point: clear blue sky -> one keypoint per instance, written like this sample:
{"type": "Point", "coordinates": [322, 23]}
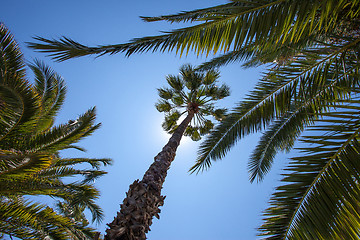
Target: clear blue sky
{"type": "Point", "coordinates": [219, 204]}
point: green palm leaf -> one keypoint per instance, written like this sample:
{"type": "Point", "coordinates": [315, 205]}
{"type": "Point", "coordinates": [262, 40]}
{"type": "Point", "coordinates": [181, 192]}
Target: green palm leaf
{"type": "Point", "coordinates": [280, 136]}
{"type": "Point", "coordinates": [95, 163]}
{"type": "Point", "coordinates": [234, 25]}
{"type": "Point", "coordinates": [61, 136]}
{"type": "Point", "coordinates": [51, 90]}
{"type": "Point", "coordinates": [320, 188]}
{"type": "Point", "coordinates": [11, 60]}
{"type": "Point", "coordinates": [314, 79]}
{"type": "Point", "coordinates": [30, 163]}
{"type": "Point", "coordinates": [14, 164]}
{"type": "Point", "coordinates": [36, 221]}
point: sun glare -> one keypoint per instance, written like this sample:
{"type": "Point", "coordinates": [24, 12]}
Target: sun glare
{"type": "Point", "coordinates": [162, 136]}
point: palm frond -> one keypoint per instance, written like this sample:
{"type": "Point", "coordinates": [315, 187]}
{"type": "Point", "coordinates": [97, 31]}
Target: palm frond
{"type": "Point", "coordinates": [30, 163]}
{"type": "Point", "coordinates": [94, 162]}
{"type": "Point", "coordinates": [163, 106]}
{"type": "Point", "coordinates": [85, 196]}
{"type": "Point", "coordinates": [14, 164]}
{"type": "Point", "coordinates": [51, 90]}
{"type": "Point", "coordinates": [320, 193]}
{"type": "Point", "coordinates": [17, 102]}
{"type": "Point", "coordinates": [227, 58]}
{"type": "Point", "coordinates": [76, 214]}
{"type": "Point", "coordinates": [314, 77]}
{"type": "Point", "coordinates": [194, 15]}
{"type": "Point", "coordinates": [37, 221]}
{"type": "Point", "coordinates": [280, 136]}
{"type": "Point", "coordinates": [66, 48]}
{"type": "Point", "coordinates": [62, 172]}
{"type": "Point", "coordinates": [262, 23]}
{"type": "Point", "coordinates": [61, 136]}
{"type": "Point", "coordinates": [29, 185]}
{"type": "Point", "coordinates": [253, 56]}
{"type": "Point", "coordinates": [81, 194]}
{"type": "Point", "coordinates": [11, 59]}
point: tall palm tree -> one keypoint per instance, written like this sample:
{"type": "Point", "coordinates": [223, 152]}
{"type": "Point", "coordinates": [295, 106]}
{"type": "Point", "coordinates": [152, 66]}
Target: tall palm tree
{"type": "Point", "coordinates": [192, 95]}
{"type": "Point", "coordinates": [312, 51]}
{"type": "Point", "coordinates": [30, 161]}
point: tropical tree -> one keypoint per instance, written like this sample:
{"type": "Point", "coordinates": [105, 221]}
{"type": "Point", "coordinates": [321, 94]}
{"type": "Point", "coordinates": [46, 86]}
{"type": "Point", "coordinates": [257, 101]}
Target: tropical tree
{"type": "Point", "coordinates": [191, 95]}
{"type": "Point", "coordinates": [312, 51]}
{"type": "Point", "coordinates": [30, 161]}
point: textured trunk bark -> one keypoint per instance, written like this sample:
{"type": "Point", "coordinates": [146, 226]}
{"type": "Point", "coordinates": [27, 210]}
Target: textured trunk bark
{"type": "Point", "coordinates": [144, 198]}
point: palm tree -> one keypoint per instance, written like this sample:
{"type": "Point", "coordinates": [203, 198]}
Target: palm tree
{"type": "Point", "coordinates": [30, 161]}
{"type": "Point", "coordinates": [192, 95]}
{"type": "Point", "coordinates": [312, 51]}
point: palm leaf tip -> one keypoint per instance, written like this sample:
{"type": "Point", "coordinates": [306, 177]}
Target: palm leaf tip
{"type": "Point", "coordinates": [203, 163]}
{"type": "Point", "coordinates": [62, 49]}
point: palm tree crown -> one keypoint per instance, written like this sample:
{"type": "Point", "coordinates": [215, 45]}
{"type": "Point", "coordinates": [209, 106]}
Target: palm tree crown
{"type": "Point", "coordinates": [30, 161]}
{"type": "Point", "coordinates": [192, 91]}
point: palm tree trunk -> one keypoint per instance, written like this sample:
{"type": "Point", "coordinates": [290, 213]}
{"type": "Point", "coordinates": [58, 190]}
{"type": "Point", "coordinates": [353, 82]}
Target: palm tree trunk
{"type": "Point", "coordinates": [144, 198]}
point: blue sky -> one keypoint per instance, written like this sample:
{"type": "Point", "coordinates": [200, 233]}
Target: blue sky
{"type": "Point", "coordinates": [217, 204]}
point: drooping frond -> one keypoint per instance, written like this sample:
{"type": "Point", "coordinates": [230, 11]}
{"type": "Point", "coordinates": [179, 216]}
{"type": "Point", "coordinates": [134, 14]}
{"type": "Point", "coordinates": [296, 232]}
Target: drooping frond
{"type": "Point", "coordinates": [36, 221]}
{"type": "Point", "coordinates": [76, 214]}
{"type": "Point", "coordinates": [18, 104]}
{"type": "Point", "coordinates": [51, 90]}
{"type": "Point", "coordinates": [30, 185]}
{"type": "Point", "coordinates": [252, 56]}
{"type": "Point", "coordinates": [61, 136]}
{"type": "Point", "coordinates": [66, 48]}
{"type": "Point", "coordinates": [12, 164]}
{"type": "Point", "coordinates": [280, 136]}
{"type": "Point", "coordinates": [11, 58]}
{"type": "Point", "coordinates": [30, 163]}
{"type": "Point", "coordinates": [224, 59]}
{"type": "Point", "coordinates": [82, 194]}
{"type": "Point", "coordinates": [195, 15]}
{"type": "Point", "coordinates": [85, 196]}
{"type": "Point", "coordinates": [55, 173]}
{"type": "Point", "coordinates": [94, 162]}
{"type": "Point", "coordinates": [314, 79]}
{"type": "Point", "coordinates": [319, 195]}
{"type": "Point", "coordinates": [227, 27]}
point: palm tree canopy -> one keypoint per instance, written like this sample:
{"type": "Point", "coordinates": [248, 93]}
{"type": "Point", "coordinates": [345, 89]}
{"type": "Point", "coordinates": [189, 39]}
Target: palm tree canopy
{"type": "Point", "coordinates": [30, 162]}
{"type": "Point", "coordinates": [312, 51]}
{"type": "Point", "coordinates": [193, 91]}
{"type": "Point", "coordinates": [246, 28]}
{"type": "Point", "coordinates": [303, 38]}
